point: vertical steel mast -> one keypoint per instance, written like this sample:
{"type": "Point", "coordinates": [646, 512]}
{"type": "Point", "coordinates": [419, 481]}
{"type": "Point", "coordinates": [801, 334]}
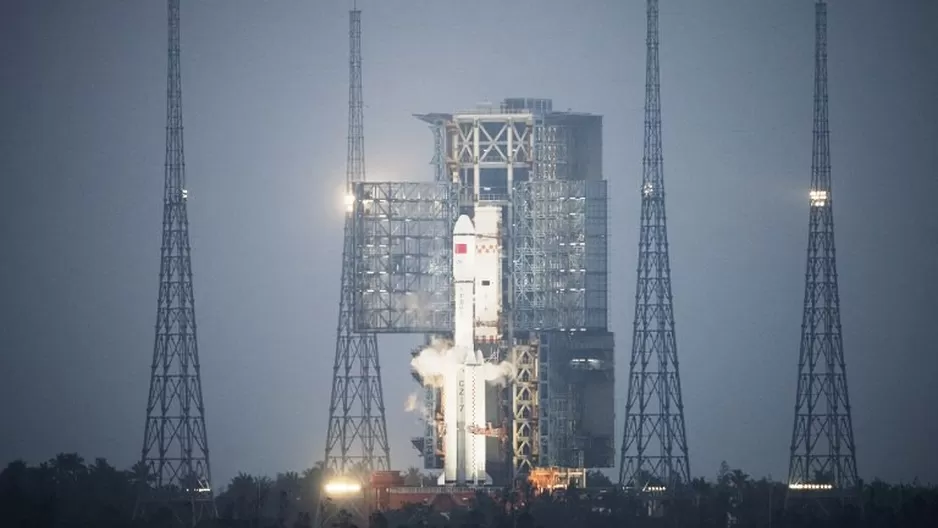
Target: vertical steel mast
{"type": "Point", "coordinates": [823, 454]}
{"type": "Point", "coordinates": [175, 444]}
{"type": "Point", "coordinates": [654, 446]}
{"type": "Point", "coordinates": [356, 410]}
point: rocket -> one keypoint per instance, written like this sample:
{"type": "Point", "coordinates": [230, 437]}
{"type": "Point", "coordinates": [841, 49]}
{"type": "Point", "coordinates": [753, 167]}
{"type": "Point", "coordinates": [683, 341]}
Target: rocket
{"type": "Point", "coordinates": [464, 384]}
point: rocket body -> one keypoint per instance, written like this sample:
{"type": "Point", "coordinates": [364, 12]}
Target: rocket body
{"type": "Point", "coordinates": [464, 384]}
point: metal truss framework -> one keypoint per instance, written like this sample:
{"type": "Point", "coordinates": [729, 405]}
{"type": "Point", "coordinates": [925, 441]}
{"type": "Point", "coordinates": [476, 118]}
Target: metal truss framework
{"type": "Point", "coordinates": [432, 443]}
{"type": "Point", "coordinates": [491, 140]}
{"type": "Point", "coordinates": [437, 123]}
{"type": "Point", "coordinates": [439, 160]}
{"type": "Point", "coordinates": [175, 445]}
{"type": "Point", "coordinates": [432, 439]}
{"type": "Point", "coordinates": [654, 445]}
{"type": "Point", "coordinates": [403, 276]}
{"type": "Point", "coordinates": [357, 440]}
{"type": "Point", "coordinates": [823, 452]}
{"type": "Point", "coordinates": [524, 408]}
{"type": "Point", "coordinates": [403, 236]}
{"type": "Point", "coordinates": [560, 255]}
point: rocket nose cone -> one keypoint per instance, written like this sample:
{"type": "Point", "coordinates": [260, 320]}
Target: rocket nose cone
{"type": "Point", "coordinates": [464, 226]}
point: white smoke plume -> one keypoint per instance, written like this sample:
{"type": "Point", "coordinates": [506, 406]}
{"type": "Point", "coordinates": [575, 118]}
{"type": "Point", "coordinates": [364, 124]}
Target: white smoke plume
{"type": "Point", "coordinates": [413, 404]}
{"type": "Point", "coordinates": [440, 357]}
{"type": "Point", "coordinates": [499, 374]}
{"type": "Point", "coordinates": [416, 405]}
{"type": "Point", "coordinates": [432, 362]}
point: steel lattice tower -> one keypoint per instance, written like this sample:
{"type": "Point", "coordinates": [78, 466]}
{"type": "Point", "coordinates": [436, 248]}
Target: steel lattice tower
{"type": "Point", "coordinates": [356, 410]}
{"type": "Point", "coordinates": [175, 444]}
{"type": "Point", "coordinates": [654, 444]}
{"type": "Point", "coordinates": [823, 454]}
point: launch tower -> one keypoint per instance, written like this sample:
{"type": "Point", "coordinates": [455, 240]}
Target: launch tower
{"type": "Point", "coordinates": [823, 453]}
{"type": "Point", "coordinates": [175, 443]}
{"type": "Point", "coordinates": [357, 438]}
{"type": "Point", "coordinates": [654, 458]}
{"type": "Point", "coordinates": [531, 181]}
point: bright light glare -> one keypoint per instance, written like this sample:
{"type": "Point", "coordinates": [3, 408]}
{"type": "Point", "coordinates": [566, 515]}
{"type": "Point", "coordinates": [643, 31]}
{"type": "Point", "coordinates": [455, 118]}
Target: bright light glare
{"type": "Point", "coordinates": [811, 486]}
{"type": "Point", "coordinates": [818, 198]}
{"type": "Point", "coordinates": [342, 487]}
{"type": "Point", "coordinates": [349, 202]}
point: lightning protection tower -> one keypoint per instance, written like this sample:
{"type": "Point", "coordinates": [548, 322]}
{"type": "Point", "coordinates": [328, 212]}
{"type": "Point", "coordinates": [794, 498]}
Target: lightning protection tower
{"type": "Point", "coordinates": [357, 438]}
{"type": "Point", "coordinates": [823, 454]}
{"type": "Point", "coordinates": [175, 445]}
{"type": "Point", "coordinates": [654, 446]}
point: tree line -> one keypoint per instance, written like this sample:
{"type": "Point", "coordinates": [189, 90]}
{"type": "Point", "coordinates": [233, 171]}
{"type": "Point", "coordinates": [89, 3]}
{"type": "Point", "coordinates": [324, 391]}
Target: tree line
{"type": "Point", "coordinates": [70, 491]}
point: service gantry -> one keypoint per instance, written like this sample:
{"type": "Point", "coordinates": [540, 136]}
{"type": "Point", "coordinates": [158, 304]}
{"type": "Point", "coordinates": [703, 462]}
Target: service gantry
{"type": "Point", "coordinates": [539, 171]}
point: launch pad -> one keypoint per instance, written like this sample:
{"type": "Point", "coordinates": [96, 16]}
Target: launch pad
{"type": "Point", "coordinates": [501, 263]}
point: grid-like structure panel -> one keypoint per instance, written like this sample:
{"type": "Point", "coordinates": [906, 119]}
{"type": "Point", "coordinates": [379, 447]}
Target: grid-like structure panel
{"type": "Point", "coordinates": [553, 392]}
{"type": "Point", "coordinates": [589, 375]}
{"type": "Point", "coordinates": [560, 252]}
{"type": "Point", "coordinates": [403, 276]}
{"type": "Point", "coordinates": [570, 366]}
{"type": "Point", "coordinates": [530, 264]}
{"type": "Point", "coordinates": [551, 143]}
{"type": "Point", "coordinates": [545, 351]}
{"type": "Point", "coordinates": [596, 254]}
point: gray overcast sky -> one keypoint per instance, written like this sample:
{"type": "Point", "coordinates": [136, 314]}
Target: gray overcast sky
{"type": "Point", "coordinates": [265, 101]}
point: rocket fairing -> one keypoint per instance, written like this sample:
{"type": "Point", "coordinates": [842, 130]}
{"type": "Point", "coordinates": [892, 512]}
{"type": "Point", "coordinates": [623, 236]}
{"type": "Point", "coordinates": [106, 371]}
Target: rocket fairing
{"type": "Point", "coordinates": [488, 275]}
{"type": "Point", "coordinates": [464, 253]}
{"type": "Point", "coordinates": [464, 385]}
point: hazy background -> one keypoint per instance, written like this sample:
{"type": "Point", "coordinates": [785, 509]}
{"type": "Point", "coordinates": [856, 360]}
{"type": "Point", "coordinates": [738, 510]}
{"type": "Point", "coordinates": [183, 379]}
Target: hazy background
{"type": "Point", "coordinates": [265, 102]}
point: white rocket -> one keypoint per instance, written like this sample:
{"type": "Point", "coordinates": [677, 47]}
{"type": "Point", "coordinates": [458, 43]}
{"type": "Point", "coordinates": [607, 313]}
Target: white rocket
{"type": "Point", "coordinates": [464, 385]}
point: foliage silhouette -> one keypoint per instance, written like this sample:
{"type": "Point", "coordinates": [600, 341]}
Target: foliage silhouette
{"type": "Point", "coordinates": [68, 491]}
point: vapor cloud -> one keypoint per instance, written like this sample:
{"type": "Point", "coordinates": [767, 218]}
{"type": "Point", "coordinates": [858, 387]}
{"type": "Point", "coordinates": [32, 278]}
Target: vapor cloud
{"type": "Point", "coordinates": [433, 362]}
{"type": "Point", "coordinates": [498, 374]}
{"type": "Point", "coordinates": [413, 403]}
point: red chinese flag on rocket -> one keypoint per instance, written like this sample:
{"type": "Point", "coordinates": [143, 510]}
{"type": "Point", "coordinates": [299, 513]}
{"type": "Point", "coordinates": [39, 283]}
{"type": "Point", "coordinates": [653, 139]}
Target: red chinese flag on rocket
{"type": "Point", "coordinates": [460, 249]}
